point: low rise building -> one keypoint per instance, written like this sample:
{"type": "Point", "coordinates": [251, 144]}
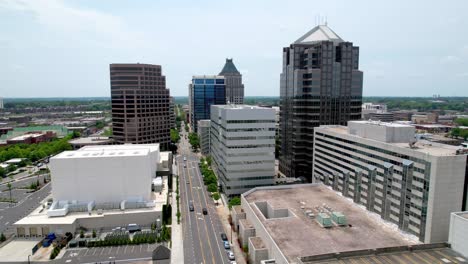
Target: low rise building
{"type": "Point", "coordinates": [32, 138]}
{"type": "Point", "coordinates": [294, 223]}
{"type": "Point", "coordinates": [415, 185]}
{"type": "Point", "coordinates": [97, 187]}
{"type": "Point", "coordinates": [381, 116]}
{"type": "Point", "coordinates": [204, 136]}
{"type": "Point", "coordinates": [242, 139]}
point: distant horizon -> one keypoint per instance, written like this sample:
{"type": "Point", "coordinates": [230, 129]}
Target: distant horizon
{"type": "Point", "coordinates": [185, 96]}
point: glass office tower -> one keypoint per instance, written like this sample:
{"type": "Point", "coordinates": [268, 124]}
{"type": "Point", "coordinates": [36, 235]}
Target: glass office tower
{"type": "Point", "coordinates": [204, 91]}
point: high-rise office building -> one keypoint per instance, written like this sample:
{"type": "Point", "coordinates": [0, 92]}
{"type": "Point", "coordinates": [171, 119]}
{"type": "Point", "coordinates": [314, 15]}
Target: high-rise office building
{"type": "Point", "coordinates": [321, 84]}
{"type": "Point", "coordinates": [140, 104]}
{"type": "Point", "coordinates": [204, 91]}
{"type": "Point", "coordinates": [242, 140]}
{"type": "Point", "coordinates": [172, 116]}
{"type": "Point", "coordinates": [234, 86]}
{"type": "Point", "coordinates": [415, 185]}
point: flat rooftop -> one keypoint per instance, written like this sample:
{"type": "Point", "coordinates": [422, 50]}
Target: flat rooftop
{"type": "Point", "coordinates": [241, 107]}
{"type": "Point", "coordinates": [423, 146]}
{"type": "Point", "coordinates": [378, 123]}
{"type": "Point", "coordinates": [297, 235]}
{"type": "Point", "coordinates": [126, 150]}
{"type": "Point", "coordinates": [435, 255]}
{"type": "Point", "coordinates": [90, 140]}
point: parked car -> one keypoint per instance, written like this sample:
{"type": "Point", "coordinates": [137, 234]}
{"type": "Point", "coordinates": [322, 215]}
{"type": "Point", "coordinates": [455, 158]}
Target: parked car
{"type": "Point", "coordinates": [226, 245]}
{"type": "Point", "coordinates": [231, 255]}
{"type": "Point", "coordinates": [205, 212]}
{"type": "Point", "coordinates": [133, 228]}
{"type": "Point", "coordinates": [224, 237]}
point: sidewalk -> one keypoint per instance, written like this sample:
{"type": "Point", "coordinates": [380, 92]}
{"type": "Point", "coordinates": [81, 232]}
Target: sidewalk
{"type": "Point", "coordinates": [223, 212]}
{"type": "Point", "coordinates": [177, 247]}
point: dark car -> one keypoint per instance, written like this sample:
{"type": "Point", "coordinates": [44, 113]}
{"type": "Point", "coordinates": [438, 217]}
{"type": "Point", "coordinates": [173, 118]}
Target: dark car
{"type": "Point", "coordinates": [191, 208]}
{"type": "Point", "coordinates": [224, 237]}
{"type": "Point", "coordinates": [205, 212]}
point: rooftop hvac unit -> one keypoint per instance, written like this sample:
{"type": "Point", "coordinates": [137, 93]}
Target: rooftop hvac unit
{"type": "Point", "coordinates": [339, 218]}
{"type": "Point", "coordinates": [324, 220]}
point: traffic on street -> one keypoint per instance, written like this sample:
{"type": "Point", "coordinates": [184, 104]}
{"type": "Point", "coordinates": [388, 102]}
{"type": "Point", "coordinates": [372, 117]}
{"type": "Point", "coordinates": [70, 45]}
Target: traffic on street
{"type": "Point", "coordinates": [202, 229]}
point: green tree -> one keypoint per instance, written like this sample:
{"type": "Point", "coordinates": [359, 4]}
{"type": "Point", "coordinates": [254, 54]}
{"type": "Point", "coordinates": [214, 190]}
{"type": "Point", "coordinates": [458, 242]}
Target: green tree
{"type": "Point", "coordinates": [175, 137]}
{"type": "Point", "coordinates": [234, 201]}
{"type": "Point", "coordinates": [462, 121]}
{"type": "Point", "coordinates": [2, 172]}
{"type": "Point", "coordinates": [194, 141]}
{"type": "Point", "coordinates": [2, 237]}
{"type": "Point", "coordinates": [216, 197]}
{"type": "Point", "coordinates": [212, 187]}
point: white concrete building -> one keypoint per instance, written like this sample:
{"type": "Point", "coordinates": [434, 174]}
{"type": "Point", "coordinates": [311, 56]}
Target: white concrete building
{"type": "Point", "coordinates": [103, 174]}
{"type": "Point", "coordinates": [243, 146]}
{"type": "Point", "coordinates": [458, 235]}
{"type": "Point", "coordinates": [99, 187]}
{"type": "Point", "coordinates": [415, 185]}
{"type": "Point", "coordinates": [204, 136]}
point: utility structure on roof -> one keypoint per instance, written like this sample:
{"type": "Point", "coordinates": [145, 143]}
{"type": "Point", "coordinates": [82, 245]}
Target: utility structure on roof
{"type": "Point", "coordinates": [320, 84]}
{"type": "Point", "coordinates": [234, 86]}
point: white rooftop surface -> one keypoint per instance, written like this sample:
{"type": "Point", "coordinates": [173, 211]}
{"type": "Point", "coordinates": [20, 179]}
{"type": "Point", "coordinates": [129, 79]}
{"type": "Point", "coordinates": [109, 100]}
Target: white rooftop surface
{"type": "Point", "coordinates": [423, 146]}
{"type": "Point", "coordinates": [23, 137]}
{"type": "Point", "coordinates": [127, 150]}
{"type": "Point", "coordinates": [89, 140]}
{"type": "Point", "coordinates": [40, 218]}
{"type": "Point", "coordinates": [378, 123]}
{"type": "Point", "coordinates": [241, 107]}
{"type": "Point", "coordinates": [17, 250]}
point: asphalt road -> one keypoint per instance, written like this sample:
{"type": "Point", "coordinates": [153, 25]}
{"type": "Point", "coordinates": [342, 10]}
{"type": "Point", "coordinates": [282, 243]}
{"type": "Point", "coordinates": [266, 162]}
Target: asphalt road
{"type": "Point", "coordinates": [201, 233]}
{"type": "Point", "coordinates": [9, 215]}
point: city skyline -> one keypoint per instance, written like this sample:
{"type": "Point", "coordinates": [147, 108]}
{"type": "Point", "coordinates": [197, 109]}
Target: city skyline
{"type": "Point", "coordinates": [399, 53]}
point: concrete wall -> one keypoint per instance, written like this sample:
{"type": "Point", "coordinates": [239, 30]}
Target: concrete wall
{"type": "Point", "coordinates": [101, 179]}
{"type": "Point", "coordinates": [245, 232]}
{"type": "Point", "coordinates": [274, 251]}
{"type": "Point", "coordinates": [256, 255]}
{"type": "Point", "coordinates": [391, 133]}
{"type": "Point", "coordinates": [458, 234]}
{"type": "Point", "coordinates": [445, 195]}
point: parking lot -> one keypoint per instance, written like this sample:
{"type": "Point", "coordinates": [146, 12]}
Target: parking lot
{"type": "Point", "coordinates": [73, 255]}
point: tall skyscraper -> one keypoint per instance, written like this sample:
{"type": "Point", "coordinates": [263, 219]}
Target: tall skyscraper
{"type": "Point", "coordinates": [172, 115]}
{"type": "Point", "coordinates": [140, 104]}
{"type": "Point", "coordinates": [234, 86]}
{"type": "Point", "coordinates": [204, 91]}
{"type": "Point", "coordinates": [321, 84]}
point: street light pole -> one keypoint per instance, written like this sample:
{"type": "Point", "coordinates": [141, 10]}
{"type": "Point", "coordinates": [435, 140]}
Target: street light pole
{"type": "Point", "coordinates": [28, 259]}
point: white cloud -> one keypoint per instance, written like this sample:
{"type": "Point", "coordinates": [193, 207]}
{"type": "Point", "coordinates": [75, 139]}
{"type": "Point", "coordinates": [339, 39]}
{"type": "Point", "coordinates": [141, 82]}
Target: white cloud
{"type": "Point", "coordinates": [82, 24]}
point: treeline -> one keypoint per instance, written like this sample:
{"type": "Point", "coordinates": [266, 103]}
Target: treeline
{"type": "Point", "coordinates": [85, 105]}
{"type": "Point", "coordinates": [35, 152]}
{"type": "Point", "coordinates": [421, 103]}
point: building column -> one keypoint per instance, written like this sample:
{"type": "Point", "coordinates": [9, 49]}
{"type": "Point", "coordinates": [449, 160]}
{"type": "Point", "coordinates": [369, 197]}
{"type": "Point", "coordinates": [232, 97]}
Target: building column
{"type": "Point", "coordinates": [357, 185]}
{"type": "Point", "coordinates": [346, 184]}
{"type": "Point", "coordinates": [371, 173]}
{"type": "Point", "coordinates": [387, 188]}
{"type": "Point", "coordinates": [405, 199]}
{"type": "Point", "coordinates": [336, 176]}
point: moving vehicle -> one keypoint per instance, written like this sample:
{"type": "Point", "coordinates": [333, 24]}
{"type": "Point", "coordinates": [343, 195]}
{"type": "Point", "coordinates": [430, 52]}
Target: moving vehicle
{"type": "Point", "coordinates": [133, 228]}
{"type": "Point", "coordinates": [185, 158]}
{"type": "Point", "coordinates": [191, 206]}
{"type": "Point", "coordinates": [205, 212]}
{"type": "Point", "coordinates": [231, 255]}
{"type": "Point", "coordinates": [226, 245]}
{"type": "Point", "coordinates": [224, 237]}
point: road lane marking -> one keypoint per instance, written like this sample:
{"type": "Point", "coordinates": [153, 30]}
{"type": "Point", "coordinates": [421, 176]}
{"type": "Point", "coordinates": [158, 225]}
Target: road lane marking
{"type": "Point", "coordinates": [198, 228]}
{"type": "Point", "coordinates": [198, 173]}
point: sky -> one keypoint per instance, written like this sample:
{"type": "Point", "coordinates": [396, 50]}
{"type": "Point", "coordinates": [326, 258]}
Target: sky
{"type": "Point", "coordinates": [63, 48]}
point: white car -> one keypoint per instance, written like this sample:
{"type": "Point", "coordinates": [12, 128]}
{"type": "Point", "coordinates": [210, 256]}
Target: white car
{"type": "Point", "coordinates": [233, 262]}
{"type": "Point", "coordinates": [231, 255]}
